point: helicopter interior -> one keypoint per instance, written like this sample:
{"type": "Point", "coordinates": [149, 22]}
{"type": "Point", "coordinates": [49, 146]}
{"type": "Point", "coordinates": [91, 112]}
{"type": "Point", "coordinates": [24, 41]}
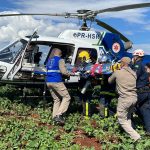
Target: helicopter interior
{"type": "Point", "coordinates": [37, 53]}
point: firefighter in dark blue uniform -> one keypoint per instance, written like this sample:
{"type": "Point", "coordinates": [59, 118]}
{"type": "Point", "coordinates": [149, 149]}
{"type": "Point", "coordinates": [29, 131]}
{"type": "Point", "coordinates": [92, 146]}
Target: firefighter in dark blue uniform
{"type": "Point", "coordinates": [143, 90]}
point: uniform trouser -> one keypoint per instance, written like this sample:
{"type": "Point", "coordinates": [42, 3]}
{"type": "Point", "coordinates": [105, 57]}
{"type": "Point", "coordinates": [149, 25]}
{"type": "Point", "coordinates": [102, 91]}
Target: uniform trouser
{"type": "Point", "coordinates": [60, 96]}
{"type": "Point", "coordinates": [144, 107]}
{"type": "Point", "coordinates": [125, 109]}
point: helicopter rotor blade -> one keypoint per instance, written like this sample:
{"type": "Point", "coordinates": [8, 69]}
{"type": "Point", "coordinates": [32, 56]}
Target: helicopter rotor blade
{"type": "Point", "coordinates": [41, 14]}
{"type": "Point", "coordinates": [127, 44]}
{"type": "Point", "coordinates": [87, 14]}
{"type": "Point", "coordinates": [120, 8]}
{"type": "Point", "coordinates": [111, 29]}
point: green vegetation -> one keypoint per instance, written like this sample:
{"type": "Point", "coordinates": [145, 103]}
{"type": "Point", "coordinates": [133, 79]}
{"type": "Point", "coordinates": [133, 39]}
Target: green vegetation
{"type": "Point", "coordinates": [24, 127]}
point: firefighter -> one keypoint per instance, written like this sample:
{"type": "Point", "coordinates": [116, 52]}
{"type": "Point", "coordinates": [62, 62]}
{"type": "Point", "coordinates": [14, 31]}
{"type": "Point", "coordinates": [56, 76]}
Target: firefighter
{"type": "Point", "coordinates": [83, 59]}
{"type": "Point", "coordinates": [125, 79]}
{"type": "Point", "coordinates": [143, 89]}
{"type": "Point", "coordinates": [55, 69]}
{"type": "Point", "coordinates": [84, 56]}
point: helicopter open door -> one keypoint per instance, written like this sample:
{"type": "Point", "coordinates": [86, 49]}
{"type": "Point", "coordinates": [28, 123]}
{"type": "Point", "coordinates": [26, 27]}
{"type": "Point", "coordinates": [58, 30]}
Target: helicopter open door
{"type": "Point", "coordinates": [68, 54]}
{"type": "Point", "coordinates": [34, 57]}
{"type": "Point", "coordinates": [81, 57]}
{"type": "Point", "coordinates": [37, 54]}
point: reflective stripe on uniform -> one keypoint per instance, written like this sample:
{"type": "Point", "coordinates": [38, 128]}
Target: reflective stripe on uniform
{"type": "Point", "coordinates": [53, 71]}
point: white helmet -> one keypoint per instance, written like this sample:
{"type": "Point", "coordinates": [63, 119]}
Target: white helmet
{"type": "Point", "coordinates": [138, 52]}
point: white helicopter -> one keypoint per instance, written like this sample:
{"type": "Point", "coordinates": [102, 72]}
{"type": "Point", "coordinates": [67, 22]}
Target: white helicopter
{"type": "Point", "coordinates": [19, 60]}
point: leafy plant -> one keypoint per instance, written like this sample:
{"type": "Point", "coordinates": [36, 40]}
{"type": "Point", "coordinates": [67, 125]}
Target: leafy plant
{"type": "Point", "coordinates": [23, 127]}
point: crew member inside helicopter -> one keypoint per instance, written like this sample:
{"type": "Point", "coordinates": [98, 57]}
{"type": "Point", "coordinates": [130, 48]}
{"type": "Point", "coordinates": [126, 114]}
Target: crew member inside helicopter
{"type": "Point", "coordinates": [86, 57]}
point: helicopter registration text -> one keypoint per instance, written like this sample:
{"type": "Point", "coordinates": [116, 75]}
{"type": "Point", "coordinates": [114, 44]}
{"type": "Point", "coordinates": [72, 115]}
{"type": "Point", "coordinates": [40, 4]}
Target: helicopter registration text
{"type": "Point", "coordinates": [86, 35]}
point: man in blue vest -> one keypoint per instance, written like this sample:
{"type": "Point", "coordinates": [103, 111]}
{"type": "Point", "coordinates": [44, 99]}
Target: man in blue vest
{"type": "Point", "coordinates": [55, 69]}
{"type": "Point", "coordinates": [143, 89]}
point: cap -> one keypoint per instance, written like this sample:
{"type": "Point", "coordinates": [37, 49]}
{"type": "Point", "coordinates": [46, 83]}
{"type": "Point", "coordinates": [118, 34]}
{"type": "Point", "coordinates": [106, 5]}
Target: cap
{"type": "Point", "coordinates": [126, 60]}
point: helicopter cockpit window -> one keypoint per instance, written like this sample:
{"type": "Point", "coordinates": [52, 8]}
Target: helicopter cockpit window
{"type": "Point", "coordinates": [87, 55]}
{"type": "Point", "coordinates": [10, 53]}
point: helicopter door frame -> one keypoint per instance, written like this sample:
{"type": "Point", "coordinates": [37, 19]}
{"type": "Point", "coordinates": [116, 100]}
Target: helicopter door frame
{"type": "Point", "coordinates": [16, 66]}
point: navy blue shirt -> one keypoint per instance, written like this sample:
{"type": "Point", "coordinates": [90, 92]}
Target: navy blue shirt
{"type": "Point", "coordinates": [142, 75]}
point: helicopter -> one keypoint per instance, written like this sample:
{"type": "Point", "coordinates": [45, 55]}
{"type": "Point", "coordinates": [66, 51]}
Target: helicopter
{"type": "Point", "coordinates": [20, 59]}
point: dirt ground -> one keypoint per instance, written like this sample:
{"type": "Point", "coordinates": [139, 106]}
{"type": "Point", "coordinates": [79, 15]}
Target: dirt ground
{"type": "Point", "coordinates": [85, 141]}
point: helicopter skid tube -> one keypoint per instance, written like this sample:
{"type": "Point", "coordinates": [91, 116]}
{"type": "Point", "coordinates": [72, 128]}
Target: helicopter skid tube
{"type": "Point", "coordinates": [23, 83]}
{"type": "Point", "coordinates": [33, 84]}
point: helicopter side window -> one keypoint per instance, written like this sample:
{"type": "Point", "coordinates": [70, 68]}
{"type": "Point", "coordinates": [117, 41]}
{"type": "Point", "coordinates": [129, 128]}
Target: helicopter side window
{"type": "Point", "coordinates": [6, 55]}
{"type": "Point", "coordinates": [86, 55]}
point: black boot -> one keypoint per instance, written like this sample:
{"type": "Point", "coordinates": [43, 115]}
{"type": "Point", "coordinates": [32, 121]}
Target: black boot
{"type": "Point", "coordinates": [58, 120]}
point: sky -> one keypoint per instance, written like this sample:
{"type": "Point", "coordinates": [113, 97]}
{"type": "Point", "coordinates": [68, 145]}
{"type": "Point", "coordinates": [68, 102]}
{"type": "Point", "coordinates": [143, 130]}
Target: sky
{"type": "Point", "coordinates": [134, 24]}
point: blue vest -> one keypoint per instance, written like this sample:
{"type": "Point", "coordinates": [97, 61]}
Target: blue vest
{"type": "Point", "coordinates": [53, 71]}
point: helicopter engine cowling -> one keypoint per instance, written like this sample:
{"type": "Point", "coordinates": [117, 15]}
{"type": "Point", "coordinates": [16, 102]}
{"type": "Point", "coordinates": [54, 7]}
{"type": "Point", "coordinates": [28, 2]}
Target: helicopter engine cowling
{"type": "Point", "coordinates": [114, 46]}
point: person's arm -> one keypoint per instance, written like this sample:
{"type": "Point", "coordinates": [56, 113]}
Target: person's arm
{"type": "Point", "coordinates": [112, 78]}
{"type": "Point", "coordinates": [62, 68]}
